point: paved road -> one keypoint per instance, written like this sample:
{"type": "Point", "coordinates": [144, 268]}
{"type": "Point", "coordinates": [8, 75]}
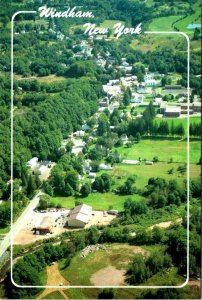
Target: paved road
{"type": "Point", "coordinates": [20, 223]}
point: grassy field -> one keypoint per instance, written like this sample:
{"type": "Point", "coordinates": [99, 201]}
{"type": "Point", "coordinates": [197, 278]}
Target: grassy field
{"type": "Point", "coordinates": [110, 23]}
{"type": "Point", "coordinates": [119, 255]}
{"type": "Point", "coordinates": [80, 270]}
{"type": "Point", "coordinates": [48, 79]}
{"type": "Point", "coordinates": [54, 295]}
{"type": "Point", "coordinates": [164, 149]}
{"type": "Point", "coordinates": [163, 23]}
{"type": "Point", "coordinates": [193, 18]}
{"type": "Point", "coordinates": [144, 172]}
{"type": "Point", "coordinates": [98, 201]}
{"type": "Point", "coordinates": [183, 121]}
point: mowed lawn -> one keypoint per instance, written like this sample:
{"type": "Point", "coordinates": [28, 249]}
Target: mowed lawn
{"type": "Point", "coordinates": [164, 149]}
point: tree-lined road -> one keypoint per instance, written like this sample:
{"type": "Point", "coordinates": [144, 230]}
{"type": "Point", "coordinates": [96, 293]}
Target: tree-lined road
{"type": "Point", "coordinates": [20, 223]}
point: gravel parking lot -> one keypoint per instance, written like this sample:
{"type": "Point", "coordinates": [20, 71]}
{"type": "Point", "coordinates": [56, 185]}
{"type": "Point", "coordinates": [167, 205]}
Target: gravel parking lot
{"type": "Point", "coordinates": [59, 219]}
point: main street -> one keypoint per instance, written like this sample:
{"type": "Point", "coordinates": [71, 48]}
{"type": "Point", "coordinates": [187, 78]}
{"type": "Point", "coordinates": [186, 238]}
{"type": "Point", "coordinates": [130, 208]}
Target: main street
{"type": "Point", "coordinates": [20, 223]}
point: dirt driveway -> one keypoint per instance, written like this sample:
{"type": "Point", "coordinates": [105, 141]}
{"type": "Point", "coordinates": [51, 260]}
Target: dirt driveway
{"type": "Point", "coordinates": [54, 278]}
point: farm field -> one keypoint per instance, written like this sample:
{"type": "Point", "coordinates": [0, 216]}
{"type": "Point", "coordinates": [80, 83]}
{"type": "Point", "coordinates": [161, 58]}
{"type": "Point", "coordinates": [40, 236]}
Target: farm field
{"type": "Point", "coordinates": [164, 149]}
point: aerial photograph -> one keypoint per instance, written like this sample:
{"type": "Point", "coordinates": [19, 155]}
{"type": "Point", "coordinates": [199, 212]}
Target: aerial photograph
{"type": "Point", "coordinates": [100, 149]}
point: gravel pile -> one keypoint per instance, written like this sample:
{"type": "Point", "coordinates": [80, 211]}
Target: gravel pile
{"type": "Point", "coordinates": [91, 249]}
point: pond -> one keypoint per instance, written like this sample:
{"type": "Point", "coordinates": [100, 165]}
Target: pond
{"type": "Point", "coordinates": [193, 26]}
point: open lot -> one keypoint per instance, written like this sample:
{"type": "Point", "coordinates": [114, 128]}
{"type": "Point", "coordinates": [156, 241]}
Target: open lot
{"type": "Point", "coordinates": [102, 266]}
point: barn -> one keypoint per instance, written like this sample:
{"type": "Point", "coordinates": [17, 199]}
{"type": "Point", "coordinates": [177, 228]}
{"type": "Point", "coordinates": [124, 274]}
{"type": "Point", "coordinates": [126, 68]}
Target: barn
{"type": "Point", "coordinates": [44, 227]}
{"type": "Point", "coordinates": [79, 216]}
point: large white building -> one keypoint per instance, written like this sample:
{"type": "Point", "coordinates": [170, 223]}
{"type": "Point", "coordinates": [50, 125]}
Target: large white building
{"type": "Point", "coordinates": [80, 216]}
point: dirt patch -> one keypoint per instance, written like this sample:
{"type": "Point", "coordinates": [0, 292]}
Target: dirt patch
{"type": "Point", "coordinates": [135, 249]}
{"type": "Point", "coordinates": [100, 219]}
{"type": "Point", "coordinates": [54, 278]}
{"type": "Point", "coordinates": [108, 276]}
{"type": "Point", "coordinates": [165, 224]}
{"type": "Point", "coordinates": [26, 236]}
{"type": "Point", "coordinates": [194, 283]}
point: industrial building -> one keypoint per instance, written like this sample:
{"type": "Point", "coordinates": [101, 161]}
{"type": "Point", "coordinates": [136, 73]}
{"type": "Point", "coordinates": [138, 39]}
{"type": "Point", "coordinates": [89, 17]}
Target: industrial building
{"type": "Point", "coordinates": [79, 216]}
{"type": "Point", "coordinates": [44, 227]}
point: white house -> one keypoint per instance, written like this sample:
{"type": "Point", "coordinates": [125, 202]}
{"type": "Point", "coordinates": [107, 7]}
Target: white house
{"type": "Point", "coordinates": [113, 82]}
{"type": "Point", "coordinates": [150, 82]}
{"type": "Point", "coordinates": [149, 162]}
{"type": "Point", "coordinates": [104, 167]}
{"type": "Point", "coordinates": [124, 138]}
{"type": "Point", "coordinates": [79, 133]}
{"type": "Point", "coordinates": [32, 162]}
{"type": "Point", "coordinates": [92, 175]}
{"type": "Point", "coordinates": [131, 162]}
{"type": "Point", "coordinates": [112, 90]}
{"type": "Point", "coordinates": [41, 170]}
{"type": "Point", "coordinates": [86, 166]}
{"type": "Point", "coordinates": [158, 99]}
{"type": "Point", "coordinates": [79, 216]}
{"type": "Point", "coordinates": [136, 98]}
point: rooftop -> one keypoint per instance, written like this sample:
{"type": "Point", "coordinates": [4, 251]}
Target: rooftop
{"type": "Point", "coordinates": [81, 212]}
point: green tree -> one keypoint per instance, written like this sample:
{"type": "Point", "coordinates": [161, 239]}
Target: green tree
{"type": "Point", "coordinates": [31, 186]}
{"type": "Point", "coordinates": [103, 125]}
{"type": "Point", "coordinates": [85, 189]}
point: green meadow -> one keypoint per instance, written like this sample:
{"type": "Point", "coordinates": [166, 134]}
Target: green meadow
{"type": "Point", "coordinates": [164, 149]}
{"type": "Point", "coordinates": [195, 18]}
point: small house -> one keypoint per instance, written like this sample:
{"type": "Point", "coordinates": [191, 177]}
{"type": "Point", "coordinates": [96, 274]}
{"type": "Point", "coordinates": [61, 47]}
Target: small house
{"type": "Point", "coordinates": [131, 162]}
{"type": "Point", "coordinates": [124, 138]}
{"type": "Point", "coordinates": [91, 175]}
{"type": "Point", "coordinates": [136, 98]}
{"type": "Point", "coordinates": [149, 162]}
{"type": "Point", "coordinates": [41, 170]}
{"type": "Point", "coordinates": [79, 133]}
{"type": "Point", "coordinates": [105, 167]}
{"type": "Point", "coordinates": [32, 162]}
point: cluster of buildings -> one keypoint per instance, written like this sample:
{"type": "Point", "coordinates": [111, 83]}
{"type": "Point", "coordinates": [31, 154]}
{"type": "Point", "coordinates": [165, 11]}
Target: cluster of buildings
{"type": "Point", "coordinates": [179, 109]}
{"type": "Point", "coordinates": [39, 167]}
{"type": "Point", "coordinates": [78, 217]}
